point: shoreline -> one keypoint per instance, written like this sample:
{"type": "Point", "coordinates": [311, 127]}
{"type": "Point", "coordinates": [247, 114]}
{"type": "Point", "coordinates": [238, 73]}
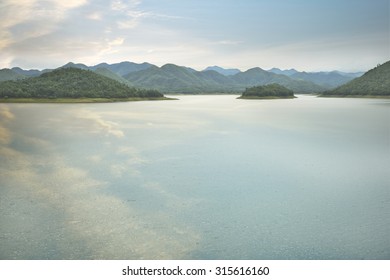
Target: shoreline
{"type": "Point", "coordinates": [81, 100]}
{"type": "Point", "coordinates": [356, 96]}
{"type": "Point", "coordinates": [266, 97]}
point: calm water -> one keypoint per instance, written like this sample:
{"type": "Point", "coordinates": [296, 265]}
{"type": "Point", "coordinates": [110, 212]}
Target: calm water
{"type": "Point", "coordinates": [204, 177]}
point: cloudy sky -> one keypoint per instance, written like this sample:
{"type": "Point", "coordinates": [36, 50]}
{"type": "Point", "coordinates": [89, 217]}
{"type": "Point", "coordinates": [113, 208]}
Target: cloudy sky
{"type": "Point", "coordinates": [347, 35]}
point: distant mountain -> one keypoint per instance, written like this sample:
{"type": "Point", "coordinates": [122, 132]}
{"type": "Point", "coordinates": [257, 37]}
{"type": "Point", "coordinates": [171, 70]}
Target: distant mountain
{"type": "Point", "coordinates": [220, 70]}
{"type": "Point", "coordinates": [123, 68]}
{"type": "Point", "coordinates": [70, 82]}
{"type": "Point", "coordinates": [283, 72]}
{"type": "Point", "coordinates": [352, 74]}
{"type": "Point", "coordinates": [10, 75]}
{"type": "Point", "coordinates": [328, 80]}
{"type": "Point", "coordinates": [99, 70]}
{"type": "Point", "coordinates": [325, 79]}
{"type": "Point", "coordinates": [257, 76]}
{"type": "Point", "coordinates": [27, 73]}
{"type": "Point", "coordinates": [109, 74]}
{"type": "Point", "coordinates": [173, 78]}
{"type": "Point", "coordinates": [375, 82]}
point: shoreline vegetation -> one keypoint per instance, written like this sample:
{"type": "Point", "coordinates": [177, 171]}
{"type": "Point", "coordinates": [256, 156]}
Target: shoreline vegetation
{"type": "Point", "coordinates": [270, 91]}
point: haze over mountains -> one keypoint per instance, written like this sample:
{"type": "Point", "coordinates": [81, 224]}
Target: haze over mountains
{"type": "Point", "coordinates": [179, 79]}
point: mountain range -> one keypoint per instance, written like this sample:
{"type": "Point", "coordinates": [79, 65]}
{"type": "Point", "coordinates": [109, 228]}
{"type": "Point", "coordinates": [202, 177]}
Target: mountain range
{"type": "Point", "coordinates": [179, 79]}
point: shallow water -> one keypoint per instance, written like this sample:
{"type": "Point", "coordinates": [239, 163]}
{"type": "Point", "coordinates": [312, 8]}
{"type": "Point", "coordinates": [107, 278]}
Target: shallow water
{"type": "Point", "coordinates": [203, 177]}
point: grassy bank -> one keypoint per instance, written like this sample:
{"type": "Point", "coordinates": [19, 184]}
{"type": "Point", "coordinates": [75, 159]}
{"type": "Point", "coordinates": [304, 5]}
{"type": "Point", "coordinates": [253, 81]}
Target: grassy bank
{"type": "Point", "coordinates": [78, 100]}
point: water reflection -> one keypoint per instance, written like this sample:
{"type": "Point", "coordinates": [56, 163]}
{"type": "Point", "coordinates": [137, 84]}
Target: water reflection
{"type": "Point", "coordinates": [202, 177]}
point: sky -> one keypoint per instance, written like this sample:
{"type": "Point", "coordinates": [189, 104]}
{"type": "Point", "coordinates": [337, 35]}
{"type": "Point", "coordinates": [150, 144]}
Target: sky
{"type": "Point", "coordinates": [317, 35]}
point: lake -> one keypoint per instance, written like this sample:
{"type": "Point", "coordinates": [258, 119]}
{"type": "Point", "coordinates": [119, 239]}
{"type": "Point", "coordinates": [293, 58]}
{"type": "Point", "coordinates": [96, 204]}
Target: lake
{"type": "Point", "coordinates": [203, 177]}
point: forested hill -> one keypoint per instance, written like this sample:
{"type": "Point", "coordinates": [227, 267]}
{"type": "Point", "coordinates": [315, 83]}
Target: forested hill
{"type": "Point", "coordinates": [71, 83]}
{"type": "Point", "coordinates": [375, 82]}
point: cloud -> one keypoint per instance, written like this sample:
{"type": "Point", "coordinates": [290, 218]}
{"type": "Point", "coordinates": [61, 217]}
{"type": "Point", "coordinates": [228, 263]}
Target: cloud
{"type": "Point", "coordinates": [127, 12]}
{"type": "Point", "coordinates": [114, 43]}
{"type": "Point", "coordinates": [24, 20]}
{"type": "Point", "coordinates": [127, 24]}
{"type": "Point", "coordinates": [81, 30]}
{"type": "Point", "coordinates": [123, 5]}
{"type": "Point", "coordinates": [94, 16]}
{"type": "Point", "coordinates": [69, 4]}
{"type": "Point", "coordinates": [28, 15]}
{"type": "Point", "coordinates": [227, 42]}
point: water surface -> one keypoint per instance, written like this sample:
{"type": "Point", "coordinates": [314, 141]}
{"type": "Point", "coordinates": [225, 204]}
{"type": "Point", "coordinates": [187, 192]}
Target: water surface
{"type": "Point", "coordinates": [203, 177]}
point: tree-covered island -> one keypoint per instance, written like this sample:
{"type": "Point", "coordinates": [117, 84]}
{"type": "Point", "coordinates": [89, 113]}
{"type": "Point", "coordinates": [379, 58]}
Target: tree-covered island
{"type": "Point", "coordinates": [270, 91]}
{"type": "Point", "coordinates": [72, 85]}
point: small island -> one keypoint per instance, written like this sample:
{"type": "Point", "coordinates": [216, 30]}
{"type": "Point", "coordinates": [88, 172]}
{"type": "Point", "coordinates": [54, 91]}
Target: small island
{"type": "Point", "coordinates": [271, 91]}
{"type": "Point", "coordinates": [72, 85]}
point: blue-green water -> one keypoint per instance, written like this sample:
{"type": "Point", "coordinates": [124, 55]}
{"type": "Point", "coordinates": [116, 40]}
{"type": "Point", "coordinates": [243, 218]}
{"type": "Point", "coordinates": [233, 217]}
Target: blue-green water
{"type": "Point", "coordinates": [204, 177]}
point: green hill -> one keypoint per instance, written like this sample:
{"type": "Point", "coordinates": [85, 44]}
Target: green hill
{"type": "Point", "coordinates": [269, 91]}
{"type": "Point", "coordinates": [375, 82]}
{"type": "Point", "coordinates": [71, 83]}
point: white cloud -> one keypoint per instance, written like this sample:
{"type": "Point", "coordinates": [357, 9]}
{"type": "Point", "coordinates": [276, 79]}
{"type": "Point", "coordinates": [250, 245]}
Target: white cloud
{"type": "Point", "coordinates": [94, 16]}
{"type": "Point", "coordinates": [26, 19]}
{"type": "Point", "coordinates": [69, 4]}
{"type": "Point", "coordinates": [127, 24]}
{"type": "Point", "coordinates": [227, 42]}
{"type": "Point", "coordinates": [120, 5]}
